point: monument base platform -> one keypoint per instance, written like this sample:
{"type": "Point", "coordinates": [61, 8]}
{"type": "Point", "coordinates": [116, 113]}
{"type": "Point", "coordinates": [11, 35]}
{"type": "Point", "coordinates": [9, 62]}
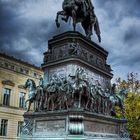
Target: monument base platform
{"type": "Point", "coordinates": [73, 125]}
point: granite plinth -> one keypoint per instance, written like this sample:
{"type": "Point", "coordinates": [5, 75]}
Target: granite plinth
{"type": "Point", "coordinates": [73, 125]}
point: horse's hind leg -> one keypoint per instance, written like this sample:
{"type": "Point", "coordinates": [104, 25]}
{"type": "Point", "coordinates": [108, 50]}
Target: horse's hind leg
{"type": "Point", "coordinates": [25, 106]}
{"type": "Point", "coordinates": [123, 109]}
{"type": "Point", "coordinates": [29, 106]}
{"type": "Point", "coordinates": [79, 101]}
{"type": "Point", "coordinates": [74, 19]}
{"type": "Point", "coordinates": [35, 105]}
{"type": "Point", "coordinates": [74, 26]}
{"type": "Point", "coordinates": [89, 32]}
{"type": "Point", "coordinates": [66, 102]}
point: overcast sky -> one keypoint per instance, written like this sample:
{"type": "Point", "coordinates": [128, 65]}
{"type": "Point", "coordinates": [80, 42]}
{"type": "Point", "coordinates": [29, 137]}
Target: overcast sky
{"type": "Point", "coordinates": [27, 25]}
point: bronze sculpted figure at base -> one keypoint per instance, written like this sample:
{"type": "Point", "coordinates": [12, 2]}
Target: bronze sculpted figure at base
{"type": "Point", "coordinates": [76, 91]}
{"type": "Point", "coordinates": [80, 11]}
{"type": "Point", "coordinates": [117, 99]}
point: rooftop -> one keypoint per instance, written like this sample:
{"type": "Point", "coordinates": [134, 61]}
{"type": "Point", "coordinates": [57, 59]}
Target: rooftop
{"type": "Point", "coordinates": [19, 61]}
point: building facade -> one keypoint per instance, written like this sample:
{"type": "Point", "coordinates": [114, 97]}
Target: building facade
{"type": "Point", "coordinates": [13, 75]}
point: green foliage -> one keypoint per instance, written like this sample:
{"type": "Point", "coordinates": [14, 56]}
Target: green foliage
{"type": "Point", "coordinates": [132, 110]}
{"type": "Point", "coordinates": [132, 103]}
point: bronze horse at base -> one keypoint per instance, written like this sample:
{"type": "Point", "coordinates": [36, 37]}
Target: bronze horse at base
{"type": "Point", "coordinates": [73, 10]}
{"type": "Point", "coordinates": [118, 100]}
{"type": "Point", "coordinates": [35, 95]}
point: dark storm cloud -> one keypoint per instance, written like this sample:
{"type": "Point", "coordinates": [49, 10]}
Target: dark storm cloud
{"type": "Point", "coordinates": [19, 36]}
{"type": "Point", "coordinates": [132, 35]}
{"type": "Point", "coordinates": [120, 22]}
{"type": "Point", "coordinates": [125, 7]}
{"type": "Point", "coordinates": [26, 27]}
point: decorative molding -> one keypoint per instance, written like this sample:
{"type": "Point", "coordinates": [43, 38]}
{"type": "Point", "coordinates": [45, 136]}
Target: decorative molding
{"type": "Point", "coordinates": [74, 49]}
{"type": "Point", "coordinates": [21, 86]}
{"type": "Point", "coordinates": [8, 82]}
{"type": "Point", "coordinates": [27, 128]}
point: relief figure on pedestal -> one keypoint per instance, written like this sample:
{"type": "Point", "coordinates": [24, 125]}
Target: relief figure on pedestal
{"type": "Point", "coordinates": [51, 91]}
{"type": "Point", "coordinates": [64, 95]}
{"type": "Point", "coordinates": [74, 91]}
{"type": "Point", "coordinates": [79, 86]}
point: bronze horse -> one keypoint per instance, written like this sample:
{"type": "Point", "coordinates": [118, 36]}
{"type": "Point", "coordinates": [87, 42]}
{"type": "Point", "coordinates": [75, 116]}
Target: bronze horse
{"type": "Point", "coordinates": [118, 100]}
{"type": "Point", "coordinates": [34, 95]}
{"type": "Point", "coordinates": [73, 10]}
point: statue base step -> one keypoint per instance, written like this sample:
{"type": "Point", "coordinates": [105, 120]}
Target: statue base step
{"type": "Point", "coordinates": [73, 125]}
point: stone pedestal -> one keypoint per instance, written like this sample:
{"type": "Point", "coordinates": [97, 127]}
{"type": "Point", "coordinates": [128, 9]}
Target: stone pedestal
{"type": "Point", "coordinates": [72, 125]}
{"type": "Point", "coordinates": [71, 50]}
{"type": "Point", "coordinates": [75, 104]}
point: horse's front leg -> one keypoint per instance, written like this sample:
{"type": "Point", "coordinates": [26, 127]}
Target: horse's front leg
{"type": "Point", "coordinates": [80, 96]}
{"type": "Point", "coordinates": [123, 109]}
{"type": "Point", "coordinates": [48, 104]}
{"type": "Point", "coordinates": [57, 17]}
{"type": "Point", "coordinates": [35, 106]}
{"type": "Point", "coordinates": [56, 20]}
{"type": "Point", "coordinates": [52, 105]}
{"type": "Point", "coordinates": [65, 18]}
{"type": "Point", "coordinates": [29, 106]}
{"type": "Point", "coordinates": [41, 104]}
{"type": "Point", "coordinates": [66, 101]}
{"type": "Point", "coordinates": [113, 113]}
{"type": "Point", "coordinates": [25, 106]}
{"type": "Point", "coordinates": [89, 32]}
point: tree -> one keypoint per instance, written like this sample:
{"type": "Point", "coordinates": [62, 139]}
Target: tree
{"type": "Point", "coordinates": [132, 110]}
{"type": "Point", "coordinates": [132, 103]}
{"type": "Point", "coordinates": [132, 83]}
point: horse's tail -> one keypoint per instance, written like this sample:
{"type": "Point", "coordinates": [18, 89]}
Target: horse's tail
{"type": "Point", "coordinates": [97, 27]}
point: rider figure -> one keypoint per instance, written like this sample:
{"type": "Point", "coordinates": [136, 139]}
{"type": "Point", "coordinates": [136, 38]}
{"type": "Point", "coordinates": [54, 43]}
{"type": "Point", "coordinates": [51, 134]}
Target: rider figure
{"type": "Point", "coordinates": [87, 6]}
{"type": "Point", "coordinates": [113, 89]}
{"type": "Point", "coordinates": [91, 11]}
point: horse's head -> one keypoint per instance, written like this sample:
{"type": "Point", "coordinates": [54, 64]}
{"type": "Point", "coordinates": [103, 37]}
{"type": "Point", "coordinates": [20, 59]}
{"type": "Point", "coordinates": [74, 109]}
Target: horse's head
{"type": "Point", "coordinates": [29, 83]}
{"type": "Point", "coordinates": [124, 92]}
{"type": "Point", "coordinates": [26, 83]}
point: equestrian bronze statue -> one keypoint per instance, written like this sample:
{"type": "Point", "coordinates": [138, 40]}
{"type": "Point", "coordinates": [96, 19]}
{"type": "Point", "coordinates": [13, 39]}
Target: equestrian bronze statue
{"type": "Point", "coordinates": [80, 11]}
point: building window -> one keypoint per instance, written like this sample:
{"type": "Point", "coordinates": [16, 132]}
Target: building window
{"type": "Point", "coordinates": [26, 72]}
{"type": "Point", "coordinates": [6, 98]}
{"type": "Point", "coordinates": [19, 129]}
{"type": "Point", "coordinates": [3, 128]}
{"type": "Point", "coordinates": [6, 65]}
{"type": "Point", "coordinates": [21, 70]}
{"type": "Point", "coordinates": [35, 74]}
{"type": "Point", "coordinates": [21, 99]}
{"type": "Point", "coordinates": [12, 67]}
